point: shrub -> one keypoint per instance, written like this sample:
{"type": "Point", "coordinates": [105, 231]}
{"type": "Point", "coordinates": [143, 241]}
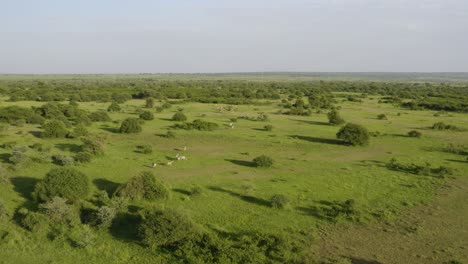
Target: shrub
{"type": "Point", "coordinates": [130, 125]}
{"type": "Point", "coordinates": [443, 126]}
{"type": "Point", "coordinates": [33, 221]}
{"type": "Point", "coordinates": [279, 201]}
{"type": "Point", "coordinates": [334, 117]}
{"type": "Point", "coordinates": [4, 213]}
{"type": "Point", "coordinates": [382, 117]}
{"type": "Point", "coordinates": [196, 191]}
{"type": "Point", "coordinates": [414, 133]}
{"type": "Point", "coordinates": [263, 161]}
{"type": "Point", "coordinates": [198, 124]}
{"type": "Point", "coordinates": [83, 157]}
{"type": "Point", "coordinates": [144, 186]}
{"type": "Point", "coordinates": [268, 128]}
{"type": "Point", "coordinates": [104, 216]}
{"type": "Point", "coordinates": [82, 237]}
{"type": "Point", "coordinates": [149, 103]}
{"type": "Point", "coordinates": [54, 129]}
{"type": "Point", "coordinates": [146, 115]}
{"type": "Point", "coordinates": [59, 212]}
{"type": "Point", "coordinates": [79, 131]}
{"type": "Point", "coordinates": [114, 107]}
{"type": "Point", "coordinates": [99, 116]}
{"type": "Point", "coordinates": [354, 134]}
{"type": "Point", "coordinates": [166, 105]}
{"type": "Point", "coordinates": [165, 228]}
{"type": "Point", "coordinates": [19, 156]}
{"type": "Point", "coordinates": [63, 160]}
{"type": "Point", "coordinates": [94, 144]}
{"type": "Point", "coordinates": [65, 182]}
{"type": "Point", "coordinates": [179, 116]}
{"type": "Point", "coordinates": [146, 149]}
{"type": "Point", "coordinates": [170, 134]}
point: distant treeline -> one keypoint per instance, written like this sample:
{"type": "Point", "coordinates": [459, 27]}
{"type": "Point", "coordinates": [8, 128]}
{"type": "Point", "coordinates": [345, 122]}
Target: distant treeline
{"type": "Point", "coordinates": [436, 96]}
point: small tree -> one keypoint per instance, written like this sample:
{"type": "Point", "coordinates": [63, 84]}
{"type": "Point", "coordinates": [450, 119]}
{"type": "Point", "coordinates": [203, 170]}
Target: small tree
{"type": "Point", "coordinates": [334, 117]}
{"type": "Point", "coordinates": [80, 131]}
{"type": "Point", "coordinates": [149, 102]}
{"type": "Point", "coordinates": [100, 116]}
{"type": "Point", "coordinates": [130, 125]}
{"type": "Point", "coordinates": [268, 128]}
{"type": "Point", "coordinates": [146, 115]}
{"type": "Point", "coordinates": [59, 212]}
{"type": "Point", "coordinates": [179, 116]}
{"type": "Point", "coordinates": [414, 133]}
{"type": "Point", "coordinates": [64, 182]}
{"type": "Point", "coordinates": [165, 228]}
{"type": "Point", "coordinates": [144, 186]}
{"type": "Point", "coordinates": [280, 201]}
{"type": "Point", "coordinates": [263, 161]}
{"type": "Point", "coordinates": [382, 117]}
{"type": "Point", "coordinates": [94, 144]}
{"type": "Point", "coordinates": [104, 216]}
{"type": "Point", "coordinates": [354, 134]}
{"type": "Point", "coordinates": [54, 129]}
{"type": "Point", "coordinates": [83, 157]}
{"type": "Point", "coordinates": [114, 107]}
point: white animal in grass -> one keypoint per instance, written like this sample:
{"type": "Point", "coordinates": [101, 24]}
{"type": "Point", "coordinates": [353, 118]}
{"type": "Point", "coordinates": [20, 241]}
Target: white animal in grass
{"type": "Point", "coordinates": [169, 163]}
{"type": "Point", "coordinates": [154, 165]}
{"type": "Point", "coordinates": [180, 157]}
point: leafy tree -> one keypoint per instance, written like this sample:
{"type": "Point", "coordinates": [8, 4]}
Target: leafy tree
{"type": "Point", "coordinates": [263, 161]}
{"type": "Point", "coordinates": [94, 144]}
{"type": "Point", "coordinates": [104, 216]}
{"type": "Point", "coordinates": [280, 201]}
{"type": "Point", "coordinates": [354, 134]}
{"type": "Point", "coordinates": [144, 186]}
{"type": "Point", "coordinates": [83, 157]}
{"type": "Point", "coordinates": [54, 129]}
{"type": "Point", "coordinates": [179, 116]}
{"type": "Point", "coordinates": [114, 107]}
{"type": "Point", "coordinates": [65, 182]}
{"type": "Point", "coordinates": [79, 131]}
{"type": "Point", "coordinates": [334, 117]}
{"type": "Point", "coordinates": [130, 125]}
{"type": "Point", "coordinates": [146, 115]}
{"type": "Point", "coordinates": [59, 212]}
{"type": "Point", "coordinates": [100, 116]}
{"type": "Point", "coordinates": [165, 228]}
{"type": "Point", "coordinates": [149, 103]}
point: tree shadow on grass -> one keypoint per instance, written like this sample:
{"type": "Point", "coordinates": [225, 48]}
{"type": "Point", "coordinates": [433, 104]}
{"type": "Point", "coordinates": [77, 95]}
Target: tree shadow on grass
{"type": "Point", "coordinates": [105, 185]}
{"type": "Point", "coordinates": [356, 260]}
{"type": "Point", "coordinates": [110, 129]}
{"type": "Point", "coordinates": [36, 133]}
{"type": "Point", "coordinates": [245, 163]}
{"type": "Point", "coordinates": [310, 122]}
{"type": "Point", "coordinates": [459, 161]}
{"type": "Point", "coordinates": [246, 198]}
{"type": "Point", "coordinates": [124, 226]}
{"type": "Point", "coordinates": [182, 191]}
{"type": "Point", "coordinates": [319, 140]}
{"type": "Point", "coordinates": [166, 119]}
{"type": "Point", "coordinates": [75, 148]}
{"type": "Point", "coordinates": [24, 185]}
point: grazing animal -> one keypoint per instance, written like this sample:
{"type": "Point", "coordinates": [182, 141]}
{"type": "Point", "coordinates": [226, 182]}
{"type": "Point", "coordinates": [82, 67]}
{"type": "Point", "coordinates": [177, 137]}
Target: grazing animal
{"type": "Point", "coordinates": [182, 158]}
{"type": "Point", "coordinates": [154, 165]}
{"type": "Point", "coordinates": [169, 163]}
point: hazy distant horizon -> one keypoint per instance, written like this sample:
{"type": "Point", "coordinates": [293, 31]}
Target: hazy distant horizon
{"type": "Point", "coordinates": [220, 36]}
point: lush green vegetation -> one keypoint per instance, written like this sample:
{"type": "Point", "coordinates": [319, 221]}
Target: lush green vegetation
{"type": "Point", "coordinates": [161, 170]}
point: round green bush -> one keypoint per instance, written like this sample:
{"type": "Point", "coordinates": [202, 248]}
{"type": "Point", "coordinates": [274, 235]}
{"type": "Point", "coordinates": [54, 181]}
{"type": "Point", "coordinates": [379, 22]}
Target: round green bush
{"type": "Point", "coordinates": [83, 157]}
{"type": "Point", "coordinates": [165, 228]}
{"type": "Point", "coordinates": [279, 201]}
{"type": "Point", "coordinates": [100, 116]}
{"type": "Point", "coordinates": [144, 186]}
{"type": "Point", "coordinates": [354, 134]}
{"type": "Point", "coordinates": [414, 133]}
{"type": "Point", "coordinates": [268, 128]}
{"type": "Point", "coordinates": [54, 129]}
{"type": "Point", "coordinates": [179, 116]}
{"type": "Point", "coordinates": [146, 115]}
{"type": "Point", "coordinates": [334, 117]}
{"type": "Point", "coordinates": [263, 161]}
{"type": "Point", "coordinates": [64, 182]}
{"type": "Point", "coordinates": [130, 125]}
{"type": "Point", "coordinates": [114, 107]}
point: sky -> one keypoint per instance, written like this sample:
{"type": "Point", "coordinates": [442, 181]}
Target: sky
{"type": "Point", "coordinates": [201, 36]}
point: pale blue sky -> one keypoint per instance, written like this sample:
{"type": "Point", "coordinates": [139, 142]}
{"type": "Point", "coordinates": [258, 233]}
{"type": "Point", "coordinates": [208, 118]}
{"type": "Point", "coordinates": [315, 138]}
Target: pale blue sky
{"type": "Point", "coordinates": [133, 36]}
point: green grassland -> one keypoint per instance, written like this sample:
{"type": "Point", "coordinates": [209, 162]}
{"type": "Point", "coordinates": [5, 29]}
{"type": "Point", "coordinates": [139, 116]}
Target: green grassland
{"type": "Point", "coordinates": [310, 166]}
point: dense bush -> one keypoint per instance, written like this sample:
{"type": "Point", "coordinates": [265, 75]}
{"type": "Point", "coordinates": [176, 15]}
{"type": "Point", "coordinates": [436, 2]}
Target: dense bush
{"type": "Point", "coordinates": [165, 228]}
{"type": "Point", "coordinates": [94, 144]}
{"type": "Point", "coordinates": [354, 134]}
{"type": "Point", "coordinates": [146, 149]}
{"type": "Point", "coordinates": [63, 160]}
{"type": "Point", "coordinates": [83, 157]}
{"type": "Point", "coordinates": [149, 103]}
{"type": "Point", "coordinates": [179, 116]}
{"type": "Point", "coordinates": [382, 117]}
{"type": "Point", "coordinates": [268, 128]}
{"type": "Point", "coordinates": [130, 125]}
{"type": "Point", "coordinates": [54, 129]}
{"type": "Point", "coordinates": [425, 169]}
{"type": "Point", "coordinates": [198, 124]}
{"type": "Point", "coordinates": [279, 201]}
{"type": "Point", "coordinates": [334, 117]}
{"type": "Point", "coordinates": [100, 116]}
{"type": "Point", "coordinates": [104, 216]}
{"type": "Point", "coordinates": [33, 221]}
{"type": "Point", "coordinates": [79, 131]}
{"type": "Point", "coordinates": [114, 107]}
{"type": "Point", "coordinates": [146, 115]}
{"type": "Point", "coordinates": [144, 186]}
{"type": "Point", "coordinates": [65, 182]}
{"type": "Point", "coordinates": [170, 134]}
{"type": "Point", "coordinates": [59, 212]}
{"type": "Point", "coordinates": [443, 126]}
{"type": "Point", "coordinates": [263, 161]}
{"type": "Point", "coordinates": [415, 133]}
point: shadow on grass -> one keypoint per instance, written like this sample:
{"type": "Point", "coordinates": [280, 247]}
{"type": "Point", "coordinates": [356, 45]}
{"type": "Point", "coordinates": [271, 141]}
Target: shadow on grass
{"type": "Point", "coordinates": [400, 135]}
{"type": "Point", "coordinates": [124, 226]}
{"type": "Point", "coordinates": [5, 157]}
{"type": "Point", "coordinates": [35, 133]}
{"type": "Point", "coordinates": [105, 185]}
{"type": "Point", "coordinates": [310, 122]}
{"type": "Point", "coordinates": [355, 260]}
{"type": "Point", "coordinates": [319, 140]}
{"type": "Point", "coordinates": [459, 161]}
{"type": "Point", "coordinates": [182, 191]}
{"type": "Point", "coordinates": [245, 163]}
{"type": "Point", "coordinates": [245, 198]}
{"type": "Point", "coordinates": [24, 185]}
{"type": "Point", "coordinates": [75, 148]}
{"type": "Point", "coordinates": [110, 129]}
{"type": "Point", "coordinates": [166, 119]}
